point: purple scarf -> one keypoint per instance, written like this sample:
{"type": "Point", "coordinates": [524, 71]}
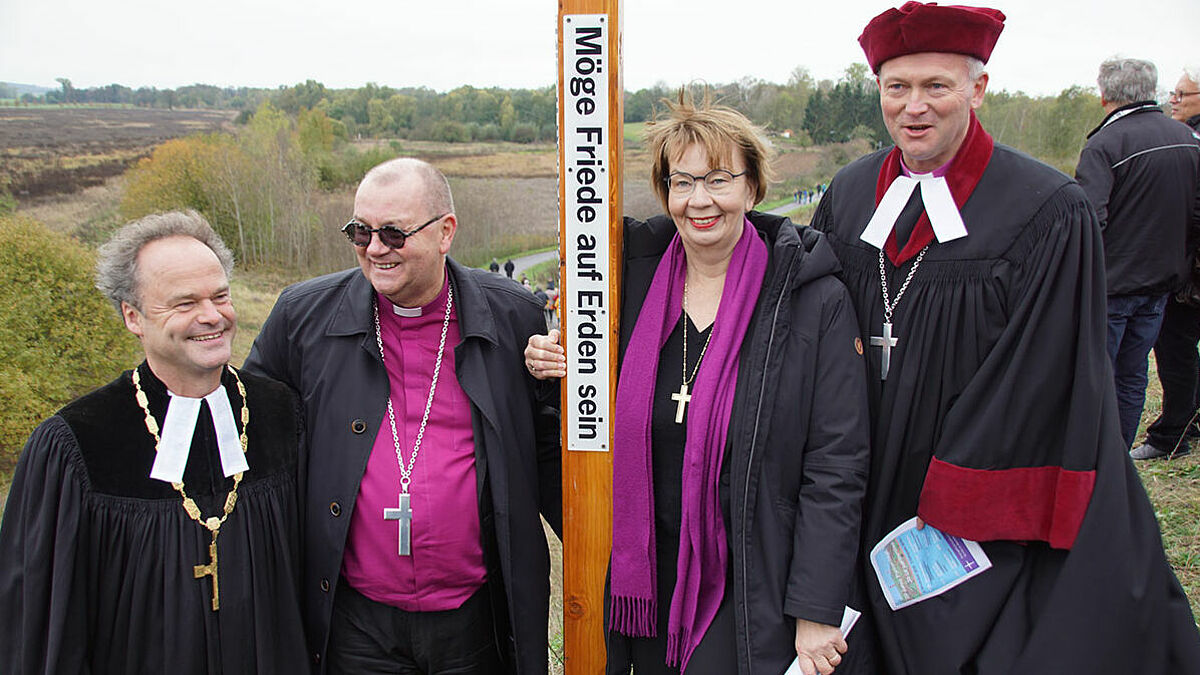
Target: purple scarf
{"type": "Point", "coordinates": [703, 554]}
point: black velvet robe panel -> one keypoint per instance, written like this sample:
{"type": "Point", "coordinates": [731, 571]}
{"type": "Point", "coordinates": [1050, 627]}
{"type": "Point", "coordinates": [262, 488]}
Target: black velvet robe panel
{"type": "Point", "coordinates": [998, 423]}
{"type": "Point", "coordinates": [96, 558]}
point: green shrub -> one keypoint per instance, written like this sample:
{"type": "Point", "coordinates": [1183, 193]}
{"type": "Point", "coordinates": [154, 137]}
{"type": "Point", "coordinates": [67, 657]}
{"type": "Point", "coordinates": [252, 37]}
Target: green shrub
{"type": "Point", "coordinates": [524, 133]}
{"type": "Point", "coordinates": [59, 337]}
{"type": "Point", "coordinates": [8, 203]}
{"type": "Point", "coordinates": [355, 164]}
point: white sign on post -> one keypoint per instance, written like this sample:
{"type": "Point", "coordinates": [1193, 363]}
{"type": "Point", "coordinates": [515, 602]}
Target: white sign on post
{"type": "Point", "coordinates": [587, 181]}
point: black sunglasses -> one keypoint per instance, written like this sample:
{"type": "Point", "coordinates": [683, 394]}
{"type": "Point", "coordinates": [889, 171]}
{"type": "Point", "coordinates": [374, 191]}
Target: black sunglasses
{"type": "Point", "coordinates": [392, 237]}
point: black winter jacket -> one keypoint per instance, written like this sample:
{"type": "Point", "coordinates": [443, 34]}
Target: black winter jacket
{"type": "Point", "coordinates": [1141, 171]}
{"type": "Point", "coordinates": [797, 441]}
{"type": "Point", "coordinates": [320, 339]}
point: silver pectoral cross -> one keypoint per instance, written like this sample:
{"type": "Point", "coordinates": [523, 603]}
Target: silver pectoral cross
{"type": "Point", "coordinates": [885, 342]}
{"type": "Point", "coordinates": [683, 397]}
{"type": "Point", "coordinates": [402, 513]}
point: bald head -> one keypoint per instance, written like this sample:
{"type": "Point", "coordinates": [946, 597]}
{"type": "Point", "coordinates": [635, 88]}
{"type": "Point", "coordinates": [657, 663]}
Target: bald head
{"type": "Point", "coordinates": [410, 173]}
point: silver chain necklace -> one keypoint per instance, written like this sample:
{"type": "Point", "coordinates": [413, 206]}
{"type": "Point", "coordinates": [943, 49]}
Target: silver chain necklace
{"type": "Point", "coordinates": [886, 341]}
{"type": "Point", "coordinates": [403, 513]}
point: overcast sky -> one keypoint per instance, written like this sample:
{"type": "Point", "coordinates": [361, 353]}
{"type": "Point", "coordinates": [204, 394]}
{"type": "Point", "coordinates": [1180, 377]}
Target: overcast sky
{"type": "Point", "coordinates": [1047, 45]}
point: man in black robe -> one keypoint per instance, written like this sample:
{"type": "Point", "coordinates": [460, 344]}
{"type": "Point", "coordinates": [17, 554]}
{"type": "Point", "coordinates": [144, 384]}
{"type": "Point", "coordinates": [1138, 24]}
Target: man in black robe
{"type": "Point", "coordinates": [994, 417]}
{"type": "Point", "coordinates": [110, 559]}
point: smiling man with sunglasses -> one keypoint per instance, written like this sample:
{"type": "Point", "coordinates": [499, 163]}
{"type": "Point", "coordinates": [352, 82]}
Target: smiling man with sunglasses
{"type": "Point", "coordinates": [432, 450]}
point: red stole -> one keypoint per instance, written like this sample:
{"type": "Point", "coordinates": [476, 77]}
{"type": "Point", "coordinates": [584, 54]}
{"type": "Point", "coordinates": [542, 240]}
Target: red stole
{"type": "Point", "coordinates": [965, 171]}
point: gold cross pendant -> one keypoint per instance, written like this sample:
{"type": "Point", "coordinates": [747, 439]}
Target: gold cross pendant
{"type": "Point", "coordinates": [201, 571]}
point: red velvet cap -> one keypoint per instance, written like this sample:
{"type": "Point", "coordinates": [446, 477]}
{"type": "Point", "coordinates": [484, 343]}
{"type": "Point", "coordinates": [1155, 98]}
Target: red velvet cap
{"type": "Point", "coordinates": [917, 27]}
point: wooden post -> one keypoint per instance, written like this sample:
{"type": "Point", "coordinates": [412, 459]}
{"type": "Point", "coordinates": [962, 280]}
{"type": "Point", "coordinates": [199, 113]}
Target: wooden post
{"type": "Point", "coordinates": [590, 139]}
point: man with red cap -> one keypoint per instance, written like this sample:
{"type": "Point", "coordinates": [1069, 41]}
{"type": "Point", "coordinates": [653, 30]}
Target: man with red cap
{"type": "Point", "coordinates": [981, 300]}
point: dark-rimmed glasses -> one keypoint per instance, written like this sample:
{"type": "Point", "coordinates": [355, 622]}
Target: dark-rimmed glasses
{"type": "Point", "coordinates": [391, 236]}
{"type": "Point", "coordinates": [716, 182]}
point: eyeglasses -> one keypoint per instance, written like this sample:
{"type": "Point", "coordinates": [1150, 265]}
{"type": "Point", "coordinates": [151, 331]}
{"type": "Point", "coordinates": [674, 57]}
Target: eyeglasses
{"type": "Point", "coordinates": [1181, 94]}
{"type": "Point", "coordinates": [716, 182]}
{"type": "Point", "coordinates": [392, 237]}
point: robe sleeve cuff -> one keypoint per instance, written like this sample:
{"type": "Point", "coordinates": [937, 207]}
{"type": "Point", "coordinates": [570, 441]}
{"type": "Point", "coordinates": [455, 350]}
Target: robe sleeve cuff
{"type": "Point", "coordinates": [1045, 503]}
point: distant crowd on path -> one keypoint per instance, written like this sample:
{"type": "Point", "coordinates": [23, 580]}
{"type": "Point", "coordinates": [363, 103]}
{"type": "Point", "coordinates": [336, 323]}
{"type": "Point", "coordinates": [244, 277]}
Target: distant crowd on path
{"type": "Point", "coordinates": [953, 351]}
{"type": "Point", "coordinates": [809, 195]}
{"type": "Point", "coordinates": [548, 296]}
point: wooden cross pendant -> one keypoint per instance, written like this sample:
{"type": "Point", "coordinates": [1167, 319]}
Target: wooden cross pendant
{"type": "Point", "coordinates": [201, 571]}
{"type": "Point", "coordinates": [683, 397]}
{"type": "Point", "coordinates": [885, 342]}
{"type": "Point", "coordinates": [402, 513]}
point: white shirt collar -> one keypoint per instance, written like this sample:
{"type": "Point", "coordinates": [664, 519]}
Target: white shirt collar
{"type": "Point", "coordinates": [180, 424]}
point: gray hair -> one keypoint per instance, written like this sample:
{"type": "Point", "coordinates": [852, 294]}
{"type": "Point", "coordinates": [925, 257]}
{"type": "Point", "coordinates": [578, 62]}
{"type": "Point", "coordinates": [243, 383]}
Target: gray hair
{"type": "Point", "coordinates": [974, 68]}
{"type": "Point", "coordinates": [436, 195]}
{"type": "Point", "coordinates": [1192, 73]}
{"type": "Point", "coordinates": [1127, 80]}
{"type": "Point", "coordinates": [117, 268]}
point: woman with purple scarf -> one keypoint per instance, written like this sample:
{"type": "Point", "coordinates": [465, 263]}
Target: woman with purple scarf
{"type": "Point", "coordinates": [740, 456]}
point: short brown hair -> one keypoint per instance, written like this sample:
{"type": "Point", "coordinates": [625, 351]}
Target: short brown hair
{"type": "Point", "coordinates": [715, 128]}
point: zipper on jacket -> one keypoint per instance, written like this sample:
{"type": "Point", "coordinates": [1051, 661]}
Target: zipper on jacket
{"type": "Point", "coordinates": [753, 443]}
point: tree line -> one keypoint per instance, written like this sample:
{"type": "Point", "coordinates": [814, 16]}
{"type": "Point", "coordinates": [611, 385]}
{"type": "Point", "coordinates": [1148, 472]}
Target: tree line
{"type": "Point", "coordinates": [805, 109]}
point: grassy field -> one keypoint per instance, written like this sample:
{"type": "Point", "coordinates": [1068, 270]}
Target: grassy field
{"type": "Point", "coordinates": [1174, 489]}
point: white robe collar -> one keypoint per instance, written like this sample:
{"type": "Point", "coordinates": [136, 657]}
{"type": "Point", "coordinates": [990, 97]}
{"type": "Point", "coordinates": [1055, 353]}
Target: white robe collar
{"type": "Point", "coordinates": [943, 213]}
{"type": "Point", "coordinates": [180, 424]}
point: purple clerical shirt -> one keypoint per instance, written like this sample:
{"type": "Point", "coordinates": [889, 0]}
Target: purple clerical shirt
{"type": "Point", "coordinates": [446, 562]}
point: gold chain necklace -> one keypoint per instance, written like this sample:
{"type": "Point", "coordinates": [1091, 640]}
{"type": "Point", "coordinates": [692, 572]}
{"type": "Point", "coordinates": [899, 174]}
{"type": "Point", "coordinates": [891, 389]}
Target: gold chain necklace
{"type": "Point", "coordinates": [683, 397]}
{"type": "Point", "coordinates": [212, 524]}
{"type": "Point", "coordinates": [688, 380]}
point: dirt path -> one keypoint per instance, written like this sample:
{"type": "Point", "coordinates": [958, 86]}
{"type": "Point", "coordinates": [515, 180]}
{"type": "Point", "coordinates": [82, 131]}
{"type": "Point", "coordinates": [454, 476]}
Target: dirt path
{"type": "Point", "coordinates": [526, 261]}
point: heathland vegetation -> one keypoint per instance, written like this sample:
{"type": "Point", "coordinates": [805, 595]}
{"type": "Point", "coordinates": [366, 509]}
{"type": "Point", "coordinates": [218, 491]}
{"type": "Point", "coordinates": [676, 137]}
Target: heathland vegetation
{"type": "Point", "coordinates": [267, 166]}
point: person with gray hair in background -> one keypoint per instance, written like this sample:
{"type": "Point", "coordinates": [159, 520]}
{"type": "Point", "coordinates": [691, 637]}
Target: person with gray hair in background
{"type": "Point", "coordinates": [1185, 99]}
{"type": "Point", "coordinates": [1140, 171]}
{"type": "Point", "coordinates": [109, 546]}
{"type": "Point", "coordinates": [1175, 351]}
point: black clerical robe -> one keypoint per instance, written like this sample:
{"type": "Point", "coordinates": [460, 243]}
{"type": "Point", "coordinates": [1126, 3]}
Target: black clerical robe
{"type": "Point", "coordinates": [997, 422]}
{"type": "Point", "coordinates": [96, 558]}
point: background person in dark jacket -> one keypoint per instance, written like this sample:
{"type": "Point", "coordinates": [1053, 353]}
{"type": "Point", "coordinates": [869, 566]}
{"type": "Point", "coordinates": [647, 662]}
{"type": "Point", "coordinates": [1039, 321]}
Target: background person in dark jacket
{"type": "Point", "coordinates": [1175, 352]}
{"type": "Point", "coordinates": [432, 451]}
{"type": "Point", "coordinates": [1140, 171]}
{"type": "Point", "coordinates": [741, 415]}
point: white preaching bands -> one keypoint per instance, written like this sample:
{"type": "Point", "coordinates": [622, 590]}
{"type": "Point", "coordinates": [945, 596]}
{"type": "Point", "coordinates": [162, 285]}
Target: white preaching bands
{"type": "Point", "coordinates": [180, 424]}
{"type": "Point", "coordinates": [939, 204]}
